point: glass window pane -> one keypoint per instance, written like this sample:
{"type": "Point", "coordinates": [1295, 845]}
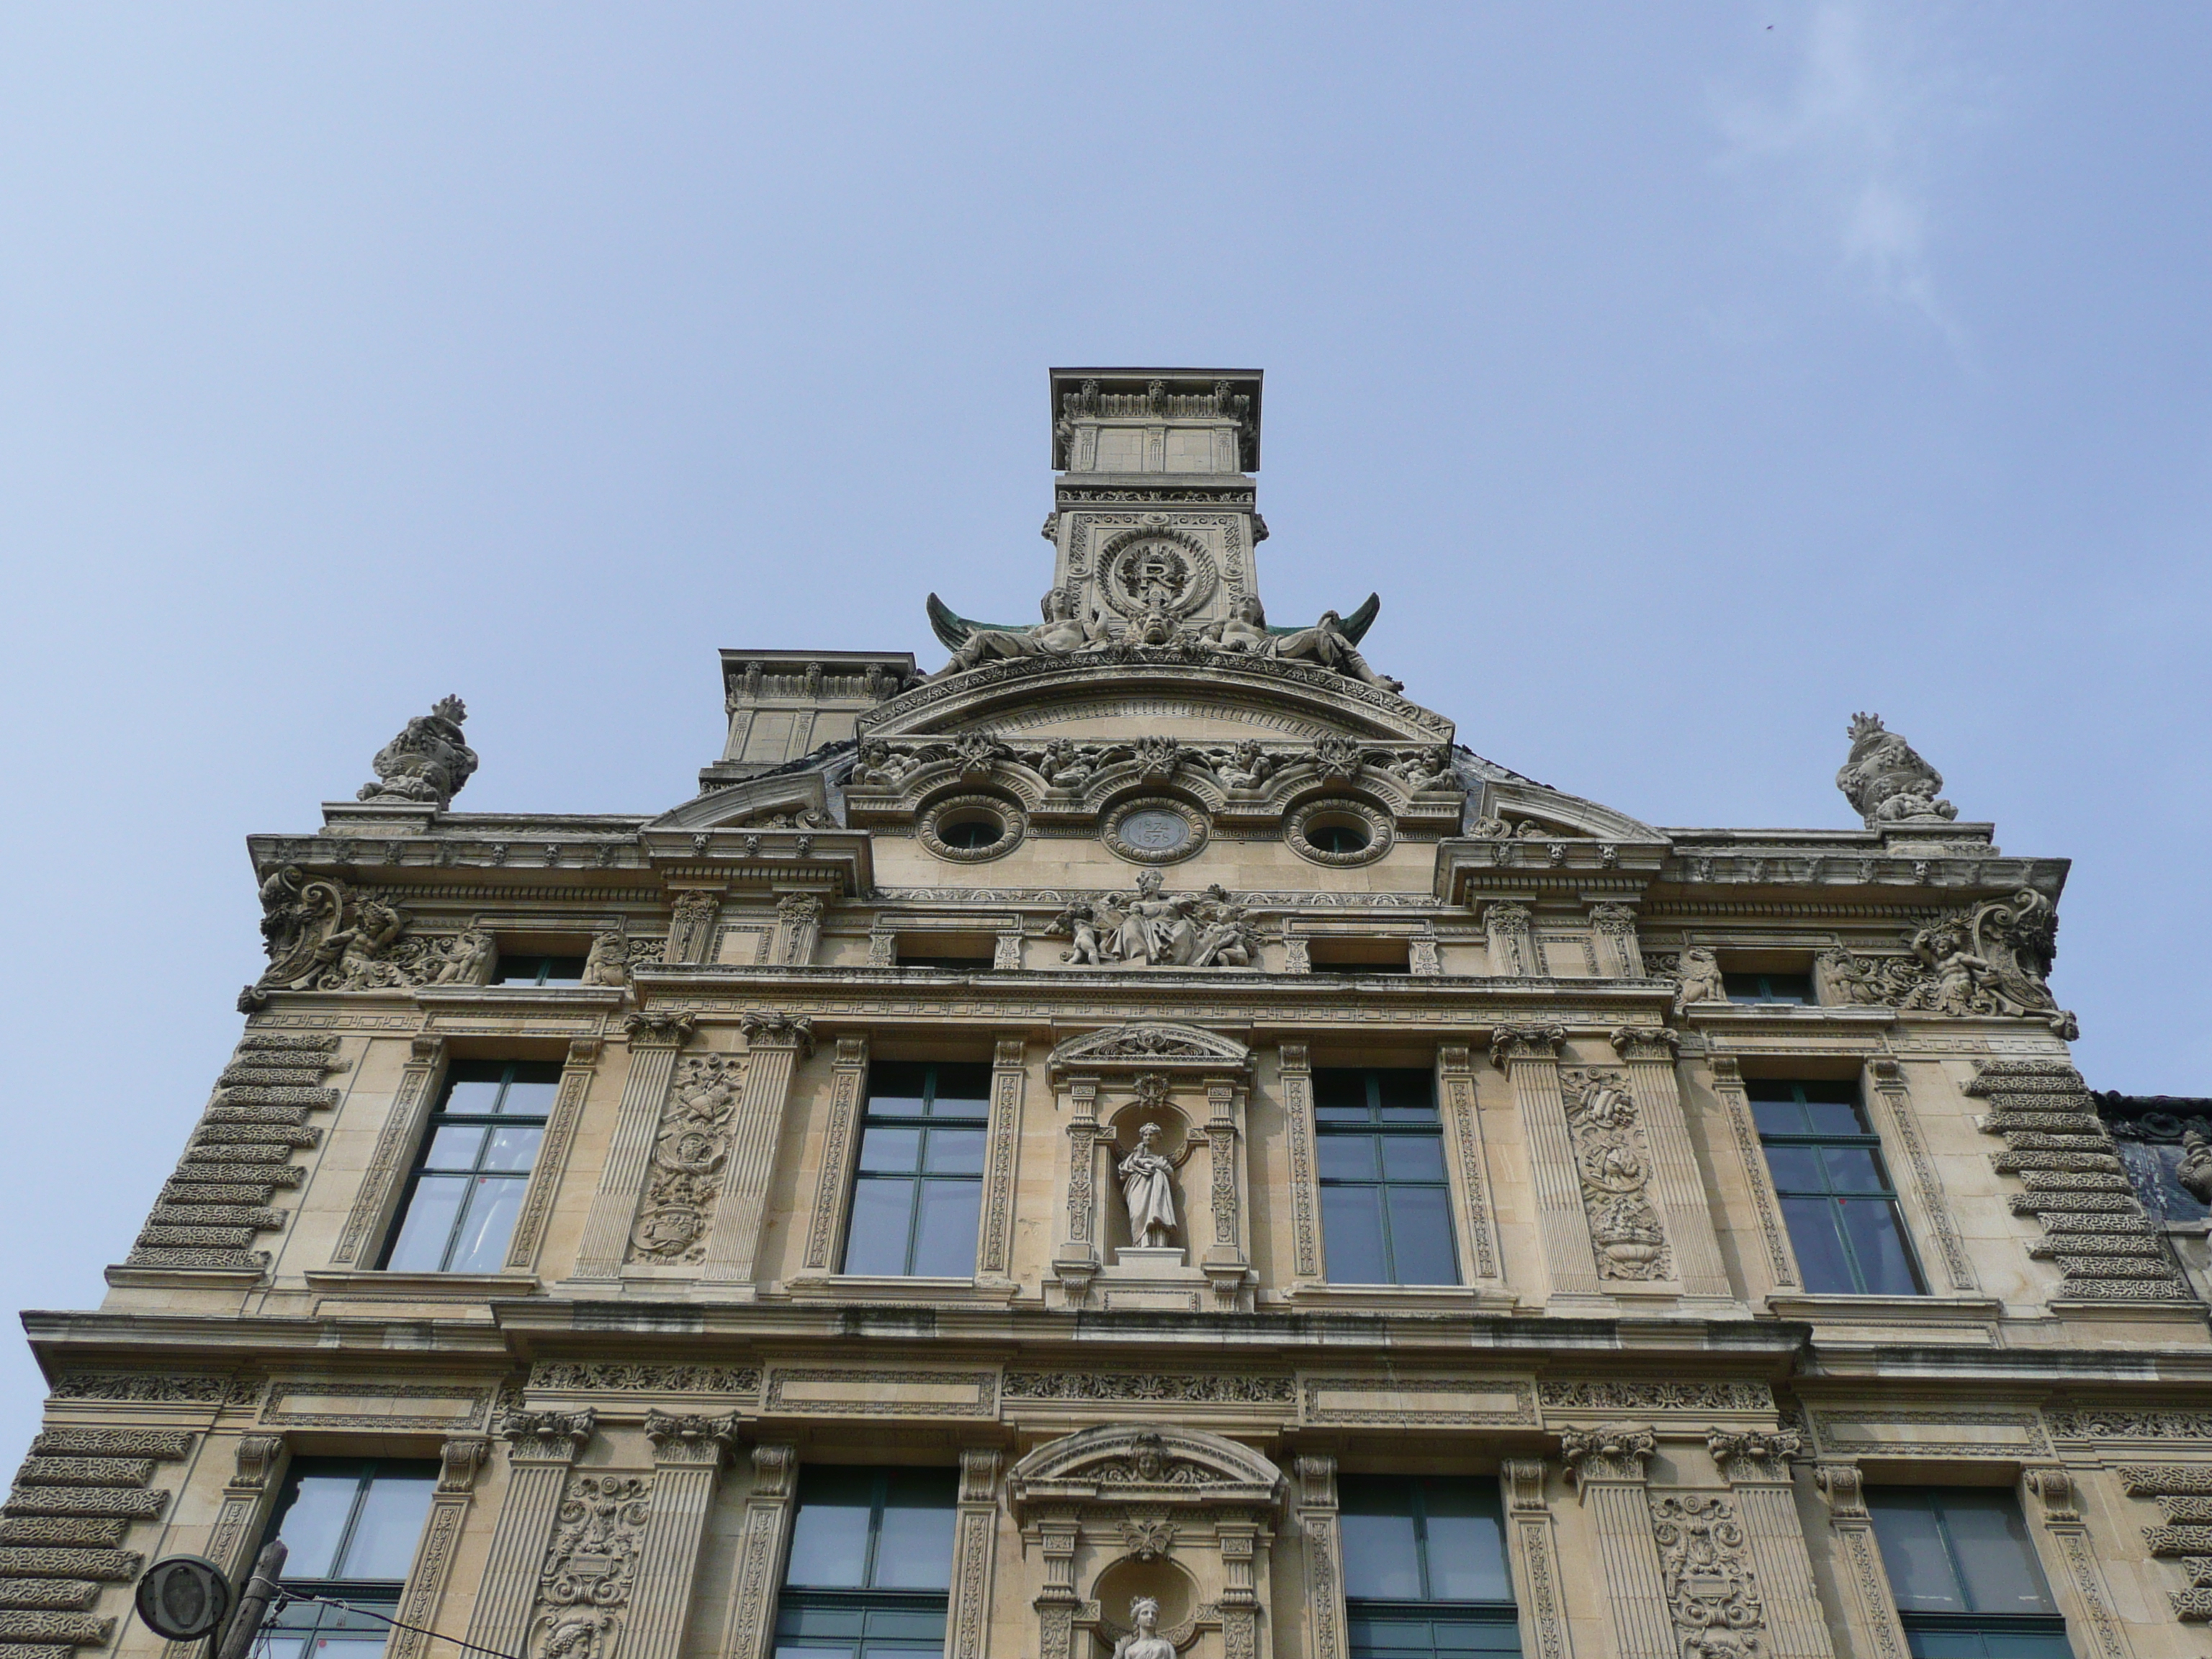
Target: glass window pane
{"type": "Point", "coordinates": [487, 1224]}
{"type": "Point", "coordinates": [421, 1246]}
{"type": "Point", "coordinates": [1877, 1237]}
{"type": "Point", "coordinates": [1421, 1236]}
{"type": "Point", "coordinates": [514, 1148]}
{"type": "Point", "coordinates": [454, 1147]}
{"type": "Point", "coordinates": [954, 1152]}
{"type": "Point", "coordinates": [391, 1520]}
{"type": "Point", "coordinates": [895, 1088]}
{"type": "Point", "coordinates": [465, 1094]}
{"type": "Point", "coordinates": [915, 1549]}
{"type": "Point", "coordinates": [1836, 1117]}
{"type": "Point", "coordinates": [1380, 1562]}
{"type": "Point", "coordinates": [1778, 1117]}
{"type": "Point", "coordinates": [315, 1527]}
{"type": "Point", "coordinates": [883, 1146]}
{"type": "Point", "coordinates": [525, 1098]}
{"type": "Point", "coordinates": [882, 1210]}
{"type": "Point", "coordinates": [1466, 1545]}
{"type": "Point", "coordinates": [829, 1545]}
{"type": "Point", "coordinates": [1820, 1258]}
{"type": "Point", "coordinates": [944, 1236]}
{"type": "Point", "coordinates": [1340, 1094]}
{"type": "Point", "coordinates": [1345, 1157]}
{"type": "Point", "coordinates": [1912, 1549]}
{"type": "Point", "coordinates": [1795, 1168]}
{"type": "Point", "coordinates": [1413, 1158]}
{"type": "Point", "coordinates": [1352, 1235]}
{"type": "Point", "coordinates": [1854, 1169]}
{"type": "Point", "coordinates": [1405, 1095]}
{"type": "Point", "coordinates": [346, 1644]}
{"type": "Point", "coordinates": [1995, 1558]}
{"type": "Point", "coordinates": [967, 1083]}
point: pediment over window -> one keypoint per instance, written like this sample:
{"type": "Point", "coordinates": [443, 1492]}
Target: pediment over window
{"type": "Point", "coordinates": [1136, 1463]}
{"type": "Point", "coordinates": [1151, 1045]}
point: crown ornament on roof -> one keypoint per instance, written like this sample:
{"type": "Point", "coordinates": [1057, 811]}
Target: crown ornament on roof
{"type": "Point", "coordinates": [428, 762]}
{"type": "Point", "coordinates": [1888, 781]}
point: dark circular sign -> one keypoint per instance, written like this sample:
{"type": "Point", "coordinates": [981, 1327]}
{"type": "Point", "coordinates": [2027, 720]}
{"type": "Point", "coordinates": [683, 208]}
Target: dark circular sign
{"type": "Point", "coordinates": [183, 1597]}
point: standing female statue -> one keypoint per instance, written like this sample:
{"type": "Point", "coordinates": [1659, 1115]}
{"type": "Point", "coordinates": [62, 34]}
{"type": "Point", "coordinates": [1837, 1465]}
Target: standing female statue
{"type": "Point", "coordinates": [1146, 1642]}
{"type": "Point", "coordinates": [1148, 1189]}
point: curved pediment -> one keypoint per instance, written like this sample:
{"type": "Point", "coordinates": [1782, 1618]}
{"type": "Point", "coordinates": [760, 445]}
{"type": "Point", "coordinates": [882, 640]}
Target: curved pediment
{"type": "Point", "coordinates": [1141, 1463]}
{"type": "Point", "coordinates": [777, 800]}
{"type": "Point", "coordinates": [1533, 811]}
{"type": "Point", "coordinates": [1165, 691]}
{"type": "Point", "coordinates": [1151, 1045]}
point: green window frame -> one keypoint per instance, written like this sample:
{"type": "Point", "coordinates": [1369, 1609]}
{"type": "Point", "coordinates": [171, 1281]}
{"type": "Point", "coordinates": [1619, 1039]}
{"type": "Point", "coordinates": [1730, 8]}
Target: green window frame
{"type": "Point", "coordinates": [1835, 1189]}
{"type": "Point", "coordinates": [1385, 1192]}
{"type": "Point", "coordinates": [870, 1568]}
{"type": "Point", "coordinates": [351, 1525]}
{"type": "Point", "coordinates": [918, 1183]}
{"type": "Point", "coordinates": [1965, 1573]}
{"type": "Point", "coordinates": [465, 1191]}
{"type": "Point", "coordinates": [1425, 1574]}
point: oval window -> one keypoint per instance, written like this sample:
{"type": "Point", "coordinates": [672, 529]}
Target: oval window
{"type": "Point", "coordinates": [971, 832]}
{"type": "Point", "coordinates": [1339, 836]}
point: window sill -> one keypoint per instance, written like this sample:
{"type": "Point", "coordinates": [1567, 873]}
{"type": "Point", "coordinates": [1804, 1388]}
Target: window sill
{"type": "Point", "coordinates": [1384, 1298]}
{"type": "Point", "coordinates": [427, 1287]}
{"type": "Point", "coordinates": [886, 1287]}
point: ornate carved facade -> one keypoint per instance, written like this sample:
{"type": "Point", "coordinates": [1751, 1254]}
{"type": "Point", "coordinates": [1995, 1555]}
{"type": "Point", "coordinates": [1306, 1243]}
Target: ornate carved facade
{"type": "Point", "coordinates": [1146, 1095]}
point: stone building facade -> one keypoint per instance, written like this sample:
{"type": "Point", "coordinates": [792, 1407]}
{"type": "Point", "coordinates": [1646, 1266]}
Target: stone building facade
{"type": "Point", "coordinates": [1137, 1144]}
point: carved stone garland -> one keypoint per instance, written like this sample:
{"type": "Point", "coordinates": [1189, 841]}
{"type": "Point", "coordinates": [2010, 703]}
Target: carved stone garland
{"type": "Point", "coordinates": [1711, 1589]}
{"type": "Point", "coordinates": [591, 1566]}
{"type": "Point", "coordinates": [688, 1155]}
{"type": "Point", "coordinates": [1614, 1166]}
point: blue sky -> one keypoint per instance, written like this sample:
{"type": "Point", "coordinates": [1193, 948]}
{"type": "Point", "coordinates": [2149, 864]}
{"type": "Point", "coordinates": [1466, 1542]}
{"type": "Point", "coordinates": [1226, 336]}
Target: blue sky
{"type": "Point", "coordinates": [1684, 378]}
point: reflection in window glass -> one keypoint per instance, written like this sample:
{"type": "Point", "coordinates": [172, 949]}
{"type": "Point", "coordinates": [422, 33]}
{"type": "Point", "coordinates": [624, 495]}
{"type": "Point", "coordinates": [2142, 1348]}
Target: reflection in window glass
{"type": "Point", "coordinates": [1425, 1569]}
{"type": "Point", "coordinates": [1385, 1201]}
{"type": "Point", "coordinates": [1834, 1188]}
{"type": "Point", "coordinates": [918, 1193]}
{"type": "Point", "coordinates": [349, 1528]}
{"type": "Point", "coordinates": [466, 1189]}
{"type": "Point", "coordinates": [1964, 1574]}
{"type": "Point", "coordinates": [870, 1563]}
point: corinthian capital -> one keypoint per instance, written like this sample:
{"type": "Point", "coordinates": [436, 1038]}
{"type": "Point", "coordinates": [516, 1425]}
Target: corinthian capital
{"type": "Point", "coordinates": [690, 1439]}
{"type": "Point", "coordinates": [1509, 1043]}
{"type": "Point", "coordinates": [658, 1028]}
{"type": "Point", "coordinates": [1645, 1041]}
{"type": "Point", "coordinates": [558, 1435]}
{"type": "Point", "coordinates": [1616, 1451]}
{"type": "Point", "coordinates": [1751, 1454]}
{"type": "Point", "coordinates": [771, 1028]}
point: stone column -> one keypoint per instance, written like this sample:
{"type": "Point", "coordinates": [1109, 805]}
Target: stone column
{"type": "Point", "coordinates": [1057, 1602]}
{"type": "Point", "coordinates": [688, 1454]}
{"type": "Point", "coordinates": [691, 925]}
{"type": "Point", "coordinates": [798, 926]}
{"type": "Point", "coordinates": [1613, 928]}
{"type": "Point", "coordinates": [1608, 1468]}
{"type": "Point", "coordinates": [1533, 1542]}
{"type": "Point", "coordinates": [1305, 1189]}
{"type": "Point", "coordinates": [994, 1238]}
{"type": "Point", "coordinates": [395, 1145]}
{"type": "Point", "coordinates": [1076, 1263]}
{"type": "Point", "coordinates": [1756, 1465]}
{"type": "Point", "coordinates": [1530, 1055]}
{"type": "Point", "coordinates": [1854, 1528]}
{"type": "Point", "coordinates": [655, 1038]}
{"type": "Point", "coordinates": [1891, 1107]}
{"type": "Point", "coordinates": [749, 1632]}
{"type": "Point", "coordinates": [1759, 1181]}
{"type": "Point", "coordinates": [459, 1460]}
{"type": "Point", "coordinates": [1676, 1183]}
{"type": "Point", "coordinates": [832, 1185]}
{"type": "Point", "coordinates": [1455, 1098]}
{"type": "Point", "coordinates": [1327, 1635]}
{"type": "Point", "coordinates": [773, 1044]}
{"type": "Point", "coordinates": [1238, 1535]}
{"type": "Point", "coordinates": [2082, 1582]}
{"type": "Point", "coordinates": [974, 1547]}
{"type": "Point", "coordinates": [1226, 1262]}
{"type": "Point", "coordinates": [1512, 941]}
{"type": "Point", "coordinates": [552, 1155]}
{"type": "Point", "coordinates": [541, 1447]}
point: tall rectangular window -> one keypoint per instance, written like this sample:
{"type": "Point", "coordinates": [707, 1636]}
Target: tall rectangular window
{"type": "Point", "coordinates": [466, 1188]}
{"type": "Point", "coordinates": [1424, 1572]}
{"type": "Point", "coordinates": [1385, 1203]}
{"type": "Point", "coordinates": [1964, 1571]}
{"type": "Point", "coordinates": [871, 1563]}
{"type": "Point", "coordinates": [1835, 1188]}
{"type": "Point", "coordinates": [349, 1526]}
{"type": "Point", "coordinates": [919, 1190]}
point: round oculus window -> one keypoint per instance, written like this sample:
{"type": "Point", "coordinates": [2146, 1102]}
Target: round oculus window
{"type": "Point", "coordinates": [1340, 832]}
{"type": "Point", "coordinates": [968, 828]}
{"type": "Point", "coordinates": [974, 833]}
{"type": "Point", "coordinates": [1339, 836]}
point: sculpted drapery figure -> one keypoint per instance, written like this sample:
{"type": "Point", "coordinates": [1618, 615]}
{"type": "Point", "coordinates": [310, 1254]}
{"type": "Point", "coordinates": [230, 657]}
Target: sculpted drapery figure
{"type": "Point", "coordinates": [1209, 929]}
{"type": "Point", "coordinates": [427, 762]}
{"type": "Point", "coordinates": [1146, 1642]}
{"type": "Point", "coordinates": [1147, 1178]}
{"type": "Point", "coordinates": [1061, 632]}
{"type": "Point", "coordinates": [1888, 781]}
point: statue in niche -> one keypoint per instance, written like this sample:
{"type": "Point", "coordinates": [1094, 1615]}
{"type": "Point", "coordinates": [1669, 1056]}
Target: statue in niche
{"type": "Point", "coordinates": [1146, 1642]}
{"type": "Point", "coordinates": [1888, 781]}
{"type": "Point", "coordinates": [1147, 1177]}
{"type": "Point", "coordinates": [1061, 632]}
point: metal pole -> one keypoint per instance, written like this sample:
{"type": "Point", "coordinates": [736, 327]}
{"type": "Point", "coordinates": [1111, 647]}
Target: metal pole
{"type": "Point", "coordinates": [261, 1588]}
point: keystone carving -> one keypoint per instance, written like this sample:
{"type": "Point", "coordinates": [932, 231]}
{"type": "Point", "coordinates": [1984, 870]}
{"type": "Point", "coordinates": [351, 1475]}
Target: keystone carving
{"type": "Point", "coordinates": [1886, 780]}
{"type": "Point", "coordinates": [427, 762]}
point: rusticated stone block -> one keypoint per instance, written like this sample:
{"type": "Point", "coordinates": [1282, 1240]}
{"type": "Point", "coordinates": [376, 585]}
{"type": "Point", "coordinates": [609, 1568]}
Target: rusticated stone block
{"type": "Point", "coordinates": [132, 1501]}
{"type": "Point", "coordinates": [85, 1471]}
{"type": "Point", "coordinates": [113, 1443]}
{"type": "Point", "coordinates": [71, 1629]}
{"type": "Point", "coordinates": [69, 1595]}
{"type": "Point", "coordinates": [90, 1531]}
{"type": "Point", "coordinates": [115, 1566]}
